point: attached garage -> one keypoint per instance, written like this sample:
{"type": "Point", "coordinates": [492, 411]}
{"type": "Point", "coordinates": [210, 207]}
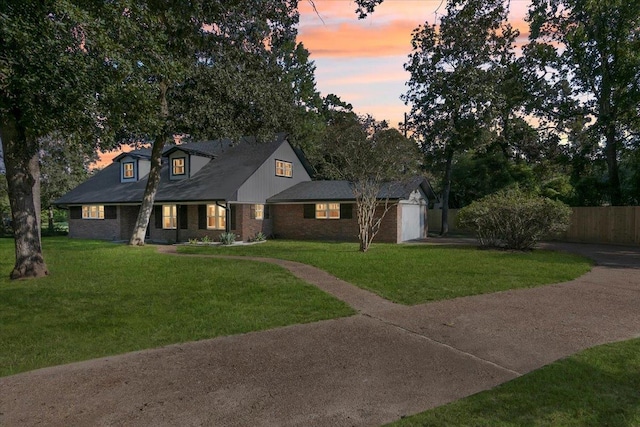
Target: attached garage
{"type": "Point", "coordinates": [414, 221]}
{"type": "Point", "coordinates": [318, 210]}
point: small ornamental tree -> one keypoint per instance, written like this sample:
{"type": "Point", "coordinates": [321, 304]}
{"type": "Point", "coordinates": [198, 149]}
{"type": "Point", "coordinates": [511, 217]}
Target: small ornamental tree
{"type": "Point", "coordinates": [373, 158]}
{"type": "Point", "coordinates": [512, 219]}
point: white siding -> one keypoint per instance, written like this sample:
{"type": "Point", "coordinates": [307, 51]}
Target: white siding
{"type": "Point", "coordinates": [264, 183]}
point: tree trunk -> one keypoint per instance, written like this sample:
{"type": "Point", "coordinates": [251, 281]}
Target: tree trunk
{"type": "Point", "coordinates": [50, 220]}
{"type": "Point", "coordinates": [611, 153]}
{"type": "Point", "coordinates": [23, 180]}
{"type": "Point", "coordinates": [446, 189]}
{"type": "Point", "coordinates": [140, 229]}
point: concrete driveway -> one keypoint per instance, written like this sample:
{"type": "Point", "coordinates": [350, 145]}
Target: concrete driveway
{"type": "Point", "coordinates": [386, 362]}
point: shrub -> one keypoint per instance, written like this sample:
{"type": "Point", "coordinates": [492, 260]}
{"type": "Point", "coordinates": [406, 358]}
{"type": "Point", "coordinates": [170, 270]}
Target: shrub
{"type": "Point", "coordinates": [512, 219]}
{"type": "Point", "coordinates": [227, 238]}
{"type": "Point", "coordinates": [259, 237]}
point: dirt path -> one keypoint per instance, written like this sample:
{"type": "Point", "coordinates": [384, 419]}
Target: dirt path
{"type": "Point", "coordinates": [385, 362]}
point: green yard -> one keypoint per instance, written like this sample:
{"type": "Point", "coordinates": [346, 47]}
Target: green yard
{"type": "Point", "coordinates": [103, 299]}
{"type": "Point", "coordinates": [414, 274]}
{"type": "Point", "coordinates": [598, 387]}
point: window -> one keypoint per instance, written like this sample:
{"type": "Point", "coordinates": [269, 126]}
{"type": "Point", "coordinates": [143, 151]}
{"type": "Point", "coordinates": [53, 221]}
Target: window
{"type": "Point", "coordinates": [169, 214]}
{"type": "Point", "coordinates": [258, 211]}
{"type": "Point", "coordinates": [284, 168]}
{"type": "Point", "coordinates": [128, 170]}
{"type": "Point", "coordinates": [216, 217]}
{"type": "Point", "coordinates": [327, 210]}
{"type": "Point", "coordinates": [93, 212]}
{"type": "Point", "coordinates": [177, 166]}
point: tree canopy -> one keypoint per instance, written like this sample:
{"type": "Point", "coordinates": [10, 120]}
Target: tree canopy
{"type": "Point", "coordinates": [455, 69]}
{"type": "Point", "coordinates": [592, 47]}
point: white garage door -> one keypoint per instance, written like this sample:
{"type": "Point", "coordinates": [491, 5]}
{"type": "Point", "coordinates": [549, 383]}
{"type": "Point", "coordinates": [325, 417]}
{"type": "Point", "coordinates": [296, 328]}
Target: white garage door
{"type": "Point", "coordinates": [413, 222]}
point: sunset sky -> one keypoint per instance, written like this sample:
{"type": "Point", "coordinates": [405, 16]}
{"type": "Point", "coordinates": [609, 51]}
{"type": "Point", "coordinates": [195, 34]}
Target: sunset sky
{"type": "Point", "coordinates": [362, 60]}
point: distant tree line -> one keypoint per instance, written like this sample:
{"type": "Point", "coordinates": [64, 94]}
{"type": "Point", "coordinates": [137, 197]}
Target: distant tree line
{"type": "Point", "coordinates": [560, 119]}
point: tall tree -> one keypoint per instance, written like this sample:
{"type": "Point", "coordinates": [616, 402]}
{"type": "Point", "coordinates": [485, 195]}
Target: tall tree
{"type": "Point", "coordinates": [592, 47]}
{"type": "Point", "coordinates": [52, 65]}
{"type": "Point", "coordinates": [224, 77]}
{"type": "Point", "coordinates": [373, 158]}
{"type": "Point", "coordinates": [454, 74]}
{"type": "Point", "coordinates": [64, 163]}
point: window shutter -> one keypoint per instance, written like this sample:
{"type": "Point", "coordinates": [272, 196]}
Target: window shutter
{"type": "Point", "coordinates": [158, 217]}
{"type": "Point", "coordinates": [309, 211]}
{"type": "Point", "coordinates": [232, 214]}
{"type": "Point", "coordinates": [75, 212]}
{"type": "Point", "coordinates": [183, 215]}
{"type": "Point", "coordinates": [266, 212]}
{"type": "Point", "coordinates": [202, 217]}
{"type": "Point", "coordinates": [110, 212]}
{"type": "Point", "coordinates": [346, 210]}
{"type": "Point", "coordinates": [252, 214]}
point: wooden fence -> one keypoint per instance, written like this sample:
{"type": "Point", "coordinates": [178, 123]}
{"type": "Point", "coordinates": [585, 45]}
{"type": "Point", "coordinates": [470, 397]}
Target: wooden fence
{"type": "Point", "coordinates": [618, 225]}
{"type": "Point", "coordinates": [610, 224]}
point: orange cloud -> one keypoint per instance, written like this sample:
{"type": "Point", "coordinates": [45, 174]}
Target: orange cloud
{"type": "Point", "coordinates": [351, 40]}
{"type": "Point", "coordinates": [341, 35]}
{"type": "Point", "coordinates": [105, 158]}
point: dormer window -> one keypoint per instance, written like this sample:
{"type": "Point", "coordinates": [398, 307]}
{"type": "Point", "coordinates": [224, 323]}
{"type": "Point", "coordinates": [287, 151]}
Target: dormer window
{"type": "Point", "coordinates": [284, 168]}
{"type": "Point", "coordinates": [128, 170]}
{"type": "Point", "coordinates": [178, 166]}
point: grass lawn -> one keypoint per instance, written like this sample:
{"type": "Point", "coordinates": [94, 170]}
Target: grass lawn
{"type": "Point", "coordinates": [414, 274]}
{"type": "Point", "coordinates": [103, 299]}
{"type": "Point", "coordinates": [598, 387]}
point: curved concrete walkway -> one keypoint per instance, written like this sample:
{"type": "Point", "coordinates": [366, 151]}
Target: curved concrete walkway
{"type": "Point", "coordinates": [375, 367]}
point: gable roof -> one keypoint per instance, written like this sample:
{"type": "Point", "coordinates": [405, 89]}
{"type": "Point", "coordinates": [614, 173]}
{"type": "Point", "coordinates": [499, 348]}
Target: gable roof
{"type": "Point", "coordinates": [201, 148]}
{"type": "Point", "coordinates": [141, 153]}
{"type": "Point", "coordinates": [342, 190]}
{"type": "Point", "coordinates": [217, 180]}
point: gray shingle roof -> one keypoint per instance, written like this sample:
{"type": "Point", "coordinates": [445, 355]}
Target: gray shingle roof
{"type": "Point", "coordinates": [342, 190]}
{"type": "Point", "coordinates": [202, 148]}
{"type": "Point", "coordinates": [217, 180]}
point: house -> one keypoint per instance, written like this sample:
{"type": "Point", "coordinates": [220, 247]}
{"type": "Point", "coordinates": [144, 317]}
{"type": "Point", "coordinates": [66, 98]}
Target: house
{"type": "Point", "coordinates": [327, 210]}
{"type": "Point", "coordinates": [207, 188]}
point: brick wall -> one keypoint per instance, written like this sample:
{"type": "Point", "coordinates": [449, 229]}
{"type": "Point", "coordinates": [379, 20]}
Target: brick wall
{"type": "Point", "coordinates": [128, 215]}
{"type": "Point", "coordinates": [104, 229]}
{"type": "Point", "coordinates": [289, 223]}
{"type": "Point", "coordinates": [247, 227]}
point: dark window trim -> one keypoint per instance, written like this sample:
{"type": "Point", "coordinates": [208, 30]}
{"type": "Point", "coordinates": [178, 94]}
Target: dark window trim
{"type": "Point", "coordinates": [275, 164]}
{"type": "Point", "coordinates": [184, 166]}
{"type": "Point", "coordinates": [174, 207]}
{"type": "Point", "coordinates": [327, 211]}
